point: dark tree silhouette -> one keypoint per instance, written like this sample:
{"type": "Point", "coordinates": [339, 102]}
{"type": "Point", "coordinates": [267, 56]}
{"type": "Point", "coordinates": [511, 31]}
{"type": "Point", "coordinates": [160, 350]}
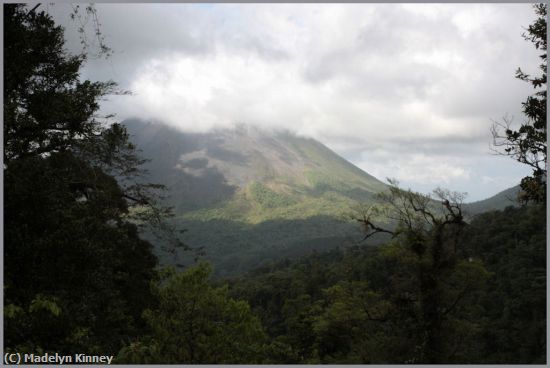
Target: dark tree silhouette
{"type": "Point", "coordinates": [76, 273]}
{"type": "Point", "coordinates": [527, 144]}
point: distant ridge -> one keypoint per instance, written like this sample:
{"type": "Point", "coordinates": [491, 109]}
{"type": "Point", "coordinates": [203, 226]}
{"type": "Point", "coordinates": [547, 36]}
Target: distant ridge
{"type": "Point", "coordinates": [499, 201]}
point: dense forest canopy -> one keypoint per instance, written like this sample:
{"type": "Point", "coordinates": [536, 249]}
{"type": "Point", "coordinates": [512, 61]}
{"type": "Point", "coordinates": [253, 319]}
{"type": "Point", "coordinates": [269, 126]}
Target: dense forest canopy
{"type": "Point", "coordinates": [76, 273]}
{"type": "Point", "coordinates": [79, 278]}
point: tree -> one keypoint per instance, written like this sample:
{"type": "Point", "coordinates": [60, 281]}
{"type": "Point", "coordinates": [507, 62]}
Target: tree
{"type": "Point", "coordinates": [527, 144]}
{"type": "Point", "coordinates": [353, 327]}
{"type": "Point", "coordinates": [431, 279]}
{"type": "Point", "coordinates": [197, 323]}
{"type": "Point", "coordinates": [74, 248]}
{"type": "Point", "coordinates": [76, 272]}
{"type": "Point", "coordinates": [512, 245]}
{"type": "Point", "coordinates": [47, 109]}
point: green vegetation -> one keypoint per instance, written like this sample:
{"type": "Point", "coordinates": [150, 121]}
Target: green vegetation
{"type": "Point", "coordinates": [236, 247]}
{"type": "Point", "coordinates": [379, 305]}
{"type": "Point", "coordinates": [261, 204]}
{"type": "Point", "coordinates": [76, 274]}
{"type": "Point", "coordinates": [322, 182]}
{"type": "Point", "coordinates": [267, 198]}
{"type": "Point", "coordinates": [243, 190]}
{"type": "Point", "coordinates": [512, 244]}
{"type": "Point", "coordinates": [499, 201]}
{"type": "Point", "coordinates": [363, 305]}
{"type": "Point", "coordinates": [196, 323]}
{"type": "Point", "coordinates": [80, 278]}
{"type": "Point", "coordinates": [332, 169]}
{"type": "Point", "coordinates": [277, 176]}
{"type": "Point", "coordinates": [528, 144]}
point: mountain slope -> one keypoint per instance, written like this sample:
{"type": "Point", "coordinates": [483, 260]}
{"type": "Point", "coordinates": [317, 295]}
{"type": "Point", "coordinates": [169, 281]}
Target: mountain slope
{"type": "Point", "coordinates": [249, 174]}
{"type": "Point", "coordinates": [249, 196]}
{"type": "Point", "coordinates": [499, 201]}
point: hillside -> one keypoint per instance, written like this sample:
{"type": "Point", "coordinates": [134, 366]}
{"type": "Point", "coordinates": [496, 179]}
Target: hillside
{"type": "Point", "coordinates": [249, 196]}
{"type": "Point", "coordinates": [249, 174]}
{"type": "Point", "coordinates": [499, 201]}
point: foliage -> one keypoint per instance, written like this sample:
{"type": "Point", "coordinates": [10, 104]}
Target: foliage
{"type": "Point", "coordinates": [47, 108]}
{"type": "Point", "coordinates": [527, 144]}
{"type": "Point", "coordinates": [267, 198]}
{"type": "Point", "coordinates": [234, 247]}
{"type": "Point", "coordinates": [366, 305]}
{"type": "Point", "coordinates": [265, 205]}
{"type": "Point", "coordinates": [78, 277]}
{"type": "Point", "coordinates": [76, 272]}
{"type": "Point", "coordinates": [435, 280]}
{"type": "Point", "coordinates": [499, 201]}
{"type": "Point", "coordinates": [75, 247]}
{"type": "Point", "coordinates": [349, 329]}
{"type": "Point", "coordinates": [82, 15]}
{"type": "Point", "coordinates": [419, 298]}
{"type": "Point", "coordinates": [321, 181]}
{"type": "Point", "coordinates": [512, 245]}
{"type": "Point", "coordinates": [196, 322]}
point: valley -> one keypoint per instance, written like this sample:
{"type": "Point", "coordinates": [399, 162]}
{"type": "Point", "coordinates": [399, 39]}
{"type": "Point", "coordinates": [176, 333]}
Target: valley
{"type": "Point", "coordinates": [145, 223]}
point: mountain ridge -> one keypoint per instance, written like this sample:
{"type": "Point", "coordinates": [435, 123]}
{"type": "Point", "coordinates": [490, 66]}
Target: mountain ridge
{"type": "Point", "coordinates": [248, 197]}
{"type": "Point", "coordinates": [499, 201]}
{"type": "Point", "coordinates": [246, 165]}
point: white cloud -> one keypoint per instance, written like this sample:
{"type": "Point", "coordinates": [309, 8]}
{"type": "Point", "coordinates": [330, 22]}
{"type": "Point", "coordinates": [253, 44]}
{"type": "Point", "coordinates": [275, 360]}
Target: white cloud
{"type": "Point", "coordinates": [399, 77]}
{"type": "Point", "coordinates": [416, 168]}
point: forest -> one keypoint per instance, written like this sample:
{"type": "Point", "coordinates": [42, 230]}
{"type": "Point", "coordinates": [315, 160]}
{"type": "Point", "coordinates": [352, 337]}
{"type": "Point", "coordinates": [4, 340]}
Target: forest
{"type": "Point", "coordinates": [440, 288]}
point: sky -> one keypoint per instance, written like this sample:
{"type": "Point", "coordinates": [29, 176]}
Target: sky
{"type": "Point", "coordinates": [405, 91]}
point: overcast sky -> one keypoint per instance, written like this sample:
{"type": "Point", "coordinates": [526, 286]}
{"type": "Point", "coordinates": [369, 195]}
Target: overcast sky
{"type": "Point", "coordinates": [402, 91]}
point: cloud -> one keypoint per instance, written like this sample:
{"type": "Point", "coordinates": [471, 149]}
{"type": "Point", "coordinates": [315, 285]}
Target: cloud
{"type": "Point", "coordinates": [421, 81]}
{"type": "Point", "coordinates": [417, 168]}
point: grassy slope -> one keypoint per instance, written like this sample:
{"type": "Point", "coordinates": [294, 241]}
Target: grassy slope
{"type": "Point", "coordinates": [259, 197]}
{"type": "Point", "coordinates": [328, 186]}
{"type": "Point", "coordinates": [499, 201]}
{"type": "Point", "coordinates": [283, 215]}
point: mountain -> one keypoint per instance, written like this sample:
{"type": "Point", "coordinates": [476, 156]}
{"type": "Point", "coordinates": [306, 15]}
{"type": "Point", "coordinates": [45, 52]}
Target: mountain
{"type": "Point", "coordinates": [249, 196]}
{"type": "Point", "coordinates": [499, 201]}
